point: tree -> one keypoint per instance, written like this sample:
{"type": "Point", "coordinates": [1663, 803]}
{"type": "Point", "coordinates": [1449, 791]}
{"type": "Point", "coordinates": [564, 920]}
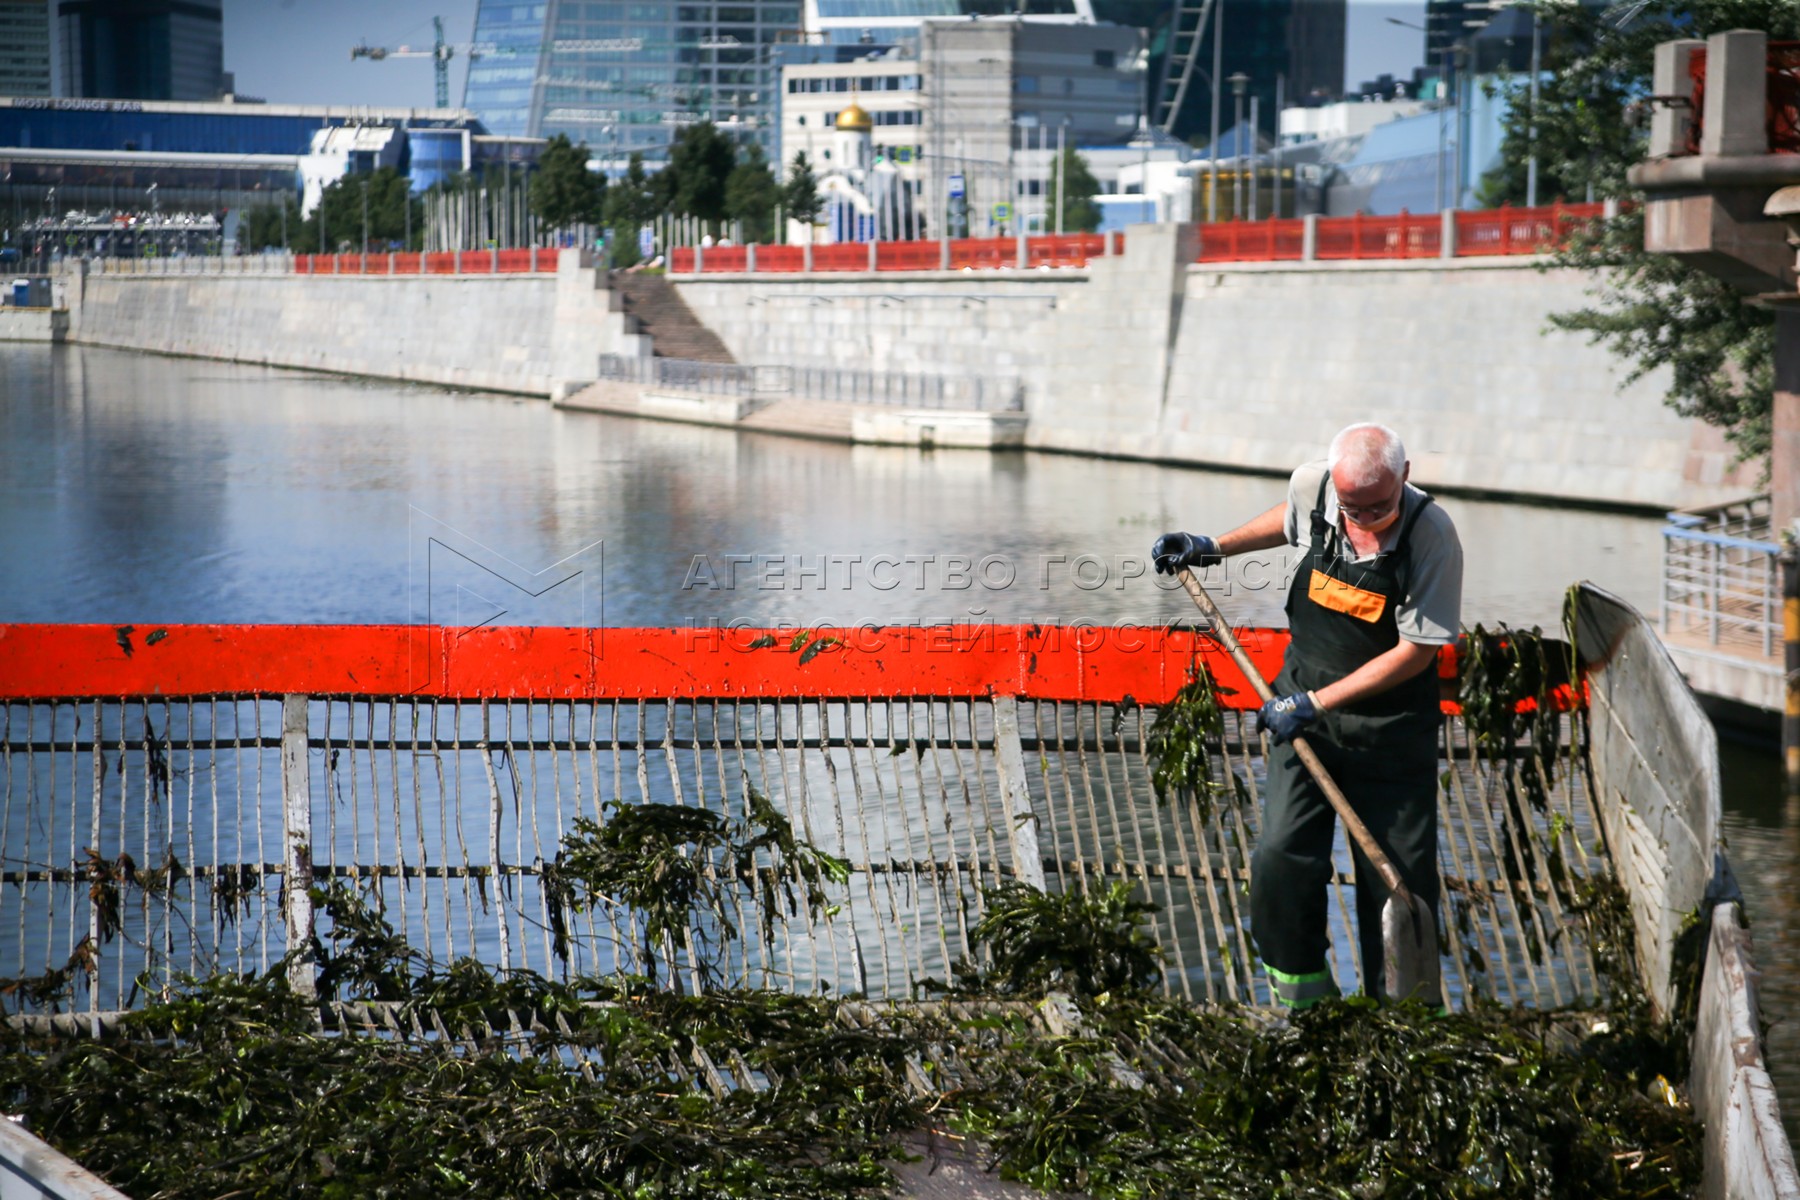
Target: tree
{"type": "Point", "coordinates": [751, 195]}
{"type": "Point", "coordinates": [1075, 198]}
{"type": "Point", "coordinates": [342, 209]}
{"type": "Point", "coordinates": [700, 160]}
{"type": "Point", "coordinates": [628, 205]}
{"type": "Point", "coordinates": [563, 191]}
{"type": "Point", "coordinates": [1652, 310]}
{"type": "Point", "coordinates": [266, 224]}
{"type": "Point", "coordinates": [800, 196]}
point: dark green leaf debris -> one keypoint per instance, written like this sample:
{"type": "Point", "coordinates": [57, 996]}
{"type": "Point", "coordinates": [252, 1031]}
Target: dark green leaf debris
{"type": "Point", "coordinates": [231, 1087]}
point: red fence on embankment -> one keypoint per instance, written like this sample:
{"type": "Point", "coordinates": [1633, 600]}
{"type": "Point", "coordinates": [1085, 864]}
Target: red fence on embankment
{"type": "Point", "coordinates": [1456, 234]}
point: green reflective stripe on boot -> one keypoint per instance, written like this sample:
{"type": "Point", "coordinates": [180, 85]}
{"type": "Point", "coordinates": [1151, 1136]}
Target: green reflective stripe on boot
{"type": "Point", "coordinates": [1301, 991]}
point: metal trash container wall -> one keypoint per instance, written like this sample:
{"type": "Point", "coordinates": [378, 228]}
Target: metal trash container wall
{"type": "Point", "coordinates": [1655, 764]}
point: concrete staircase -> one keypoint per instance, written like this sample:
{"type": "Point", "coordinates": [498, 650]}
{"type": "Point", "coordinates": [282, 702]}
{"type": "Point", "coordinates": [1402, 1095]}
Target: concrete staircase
{"type": "Point", "coordinates": [660, 312]}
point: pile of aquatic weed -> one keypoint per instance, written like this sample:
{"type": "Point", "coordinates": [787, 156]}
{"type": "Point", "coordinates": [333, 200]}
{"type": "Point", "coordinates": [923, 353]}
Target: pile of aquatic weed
{"type": "Point", "coordinates": [422, 1079]}
{"type": "Point", "coordinates": [231, 1087]}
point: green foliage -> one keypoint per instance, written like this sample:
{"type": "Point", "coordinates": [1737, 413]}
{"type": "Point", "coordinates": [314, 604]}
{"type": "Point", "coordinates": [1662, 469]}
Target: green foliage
{"type": "Point", "coordinates": [751, 194]}
{"type": "Point", "coordinates": [1085, 943]}
{"type": "Point", "coordinates": [1652, 311]}
{"type": "Point", "coordinates": [342, 211]}
{"type": "Point", "coordinates": [678, 867]}
{"type": "Point", "coordinates": [1075, 195]}
{"type": "Point", "coordinates": [265, 226]}
{"type": "Point", "coordinates": [563, 191]}
{"type": "Point", "coordinates": [800, 195]}
{"type": "Point", "coordinates": [701, 159]}
{"type": "Point", "coordinates": [629, 204]}
{"type": "Point", "coordinates": [1180, 756]}
{"type": "Point", "coordinates": [230, 1086]}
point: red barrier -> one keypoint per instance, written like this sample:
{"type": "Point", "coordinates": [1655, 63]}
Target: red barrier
{"type": "Point", "coordinates": [1144, 663]}
{"type": "Point", "coordinates": [908, 256]}
{"type": "Point", "coordinates": [681, 260]}
{"type": "Point", "coordinates": [841, 256]}
{"type": "Point", "coordinates": [1360, 237]}
{"type": "Point", "coordinates": [1273, 240]}
{"type": "Point", "coordinates": [1064, 250]}
{"type": "Point", "coordinates": [780, 258]}
{"type": "Point", "coordinates": [1140, 663]}
{"type": "Point", "coordinates": [514, 262]}
{"type": "Point", "coordinates": [1520, 230]}
{"type": "Point", "coordinates": [983, 252]}
{"type": "Point", "coordinates": [734, 259]}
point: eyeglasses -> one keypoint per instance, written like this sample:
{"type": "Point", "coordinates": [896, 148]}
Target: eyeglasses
{"type": "Point", "coordinates": [1366, 514]}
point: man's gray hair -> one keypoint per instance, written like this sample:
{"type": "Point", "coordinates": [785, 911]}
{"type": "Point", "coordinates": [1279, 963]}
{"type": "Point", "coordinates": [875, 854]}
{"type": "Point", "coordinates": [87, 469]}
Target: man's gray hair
{"type": "Point", "coordinates": [1370, 451]}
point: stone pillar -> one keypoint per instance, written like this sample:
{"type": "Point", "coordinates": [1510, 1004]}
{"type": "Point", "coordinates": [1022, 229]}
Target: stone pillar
{"type": "Point", "coordinates": [806, 256]}
{"type": "Point", "coordinates": [1447, 233]}
{"type": "Point", "coordinates": [943, 254]}
{"type": "Point", "coordinates": [1670, 122]}
{"type": "Point", "coordinates": [750, 258]}
{"type": "Point", "coordinates": [1309, 238]}
{"type": "Point", "coordinates": [1784, 441]}
{"type": "Point", "coordinates": [872, 254]}
{"type": "Point", "coordinates": [1737, 89]}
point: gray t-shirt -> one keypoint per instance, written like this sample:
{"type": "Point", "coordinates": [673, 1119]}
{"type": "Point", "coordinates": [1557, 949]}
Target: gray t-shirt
{"type": "Point", "coordinates": [1431, 611]}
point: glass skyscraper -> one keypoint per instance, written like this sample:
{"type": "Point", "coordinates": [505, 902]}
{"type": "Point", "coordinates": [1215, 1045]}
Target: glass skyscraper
{"type": "Point", "coordinates": [624, 78]}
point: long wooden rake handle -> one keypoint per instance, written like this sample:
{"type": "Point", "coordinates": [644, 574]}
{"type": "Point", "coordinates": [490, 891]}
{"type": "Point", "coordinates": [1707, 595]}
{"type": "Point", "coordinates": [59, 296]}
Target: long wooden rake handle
{"type": "Point", "coordinates": [1353, 823]}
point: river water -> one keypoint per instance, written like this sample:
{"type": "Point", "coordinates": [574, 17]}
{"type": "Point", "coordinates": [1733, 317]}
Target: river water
{"type": "Point", "coordinates": [144, 490]}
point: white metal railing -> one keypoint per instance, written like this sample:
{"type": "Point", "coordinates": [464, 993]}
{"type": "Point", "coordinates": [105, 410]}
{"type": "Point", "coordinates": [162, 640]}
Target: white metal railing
{"type": "Point", "coordinates": [687, 375]}
{"type": "Point", "coordinates": [1721, 578]}
{"type": "Point", "coordinates": [838, 384]}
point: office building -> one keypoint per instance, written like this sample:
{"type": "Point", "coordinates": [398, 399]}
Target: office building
{"type": "Point", "coordinates": [105, 154]}
{"type": "Point", "coordinates": [886, 22]}
{"type": "Point", "coordinates": [24, 48]}
{"type": "Point", "coordinates": [1291, 51]}
{"type": "Point", "coordinates": [972, 111]}
{"type": "Point", "coordinates": [141, 49]}
{"type": "Point", "coordinates": [625, 78]}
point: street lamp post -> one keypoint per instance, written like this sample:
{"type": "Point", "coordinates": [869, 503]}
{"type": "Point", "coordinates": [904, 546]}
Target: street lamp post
{"type": "Point", "coordinates": [1239, 83]}
{"type": "Point", "coordinates": [1531, 163]}
{"type": "Point", "coordinates": [1218, 73]}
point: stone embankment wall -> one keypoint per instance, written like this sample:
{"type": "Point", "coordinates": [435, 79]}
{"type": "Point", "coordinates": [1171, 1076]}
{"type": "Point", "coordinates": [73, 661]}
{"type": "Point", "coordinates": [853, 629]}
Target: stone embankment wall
{"type": "Point", "coordinates": [536, 334]}
{"type": "Point", "coordinates": [1143, 355]}
{"type": "Point", "coordinates": [1255, 366]}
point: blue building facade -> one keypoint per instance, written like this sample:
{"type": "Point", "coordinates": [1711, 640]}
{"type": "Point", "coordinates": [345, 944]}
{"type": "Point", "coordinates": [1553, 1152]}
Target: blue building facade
{"type": "Point", "coordinates": [624, 78]}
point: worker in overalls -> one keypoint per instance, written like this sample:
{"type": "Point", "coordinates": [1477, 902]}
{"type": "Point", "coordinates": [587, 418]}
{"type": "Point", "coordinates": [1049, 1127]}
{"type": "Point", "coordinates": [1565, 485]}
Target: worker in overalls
{"type": "Point", "coordinates": [1376, 591]}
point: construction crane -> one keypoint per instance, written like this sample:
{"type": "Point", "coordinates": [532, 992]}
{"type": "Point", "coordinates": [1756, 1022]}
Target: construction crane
{"type": "Point", "coordinates": [440, 55]}
{"type": "Point", "coordinates": [441, 52]}
{"type": "Point", "coordinates": [1187, 26]}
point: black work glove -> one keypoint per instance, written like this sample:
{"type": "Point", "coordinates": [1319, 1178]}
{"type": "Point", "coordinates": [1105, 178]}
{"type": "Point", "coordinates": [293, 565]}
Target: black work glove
{"type": "Point", "coordinates": [1172, 551]}
{"type": "Point", "coordinates": [1285, 716]}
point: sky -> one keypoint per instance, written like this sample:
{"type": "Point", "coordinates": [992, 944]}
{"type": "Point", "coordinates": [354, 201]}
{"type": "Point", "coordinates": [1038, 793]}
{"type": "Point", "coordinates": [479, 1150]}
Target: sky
{"type": "Point", "coordinates": [298, 51]}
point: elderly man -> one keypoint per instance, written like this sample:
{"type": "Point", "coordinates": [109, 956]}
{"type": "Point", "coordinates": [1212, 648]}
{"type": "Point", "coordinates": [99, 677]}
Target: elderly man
{"type": "Point", "coordinates": [1377, 589]}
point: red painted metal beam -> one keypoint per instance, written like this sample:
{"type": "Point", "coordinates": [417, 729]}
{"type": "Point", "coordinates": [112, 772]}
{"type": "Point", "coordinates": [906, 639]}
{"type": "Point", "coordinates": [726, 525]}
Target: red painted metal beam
{"type": "Point", "coordinates": [1035, 661]}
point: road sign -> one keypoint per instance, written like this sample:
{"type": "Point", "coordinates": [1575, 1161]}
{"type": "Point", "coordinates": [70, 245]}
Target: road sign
{"type": "Point", "coordinates": [646, 241]}
{"type": "Point", "coordinates": [1000, 212]}
{"type": "Point", "coordinates": [903, 154]}
{"type": "Point", "coordinates": [956, 185]}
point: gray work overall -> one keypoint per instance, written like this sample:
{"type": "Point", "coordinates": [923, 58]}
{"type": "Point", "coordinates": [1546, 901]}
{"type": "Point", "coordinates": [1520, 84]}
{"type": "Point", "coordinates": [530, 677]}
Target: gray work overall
{"type": "Point", "coordinates": [1382, 751]}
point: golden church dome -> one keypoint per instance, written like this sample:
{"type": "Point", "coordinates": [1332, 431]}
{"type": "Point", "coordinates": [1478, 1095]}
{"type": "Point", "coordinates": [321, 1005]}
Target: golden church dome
{"type": "Point", "coordinates": [855, 119]}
